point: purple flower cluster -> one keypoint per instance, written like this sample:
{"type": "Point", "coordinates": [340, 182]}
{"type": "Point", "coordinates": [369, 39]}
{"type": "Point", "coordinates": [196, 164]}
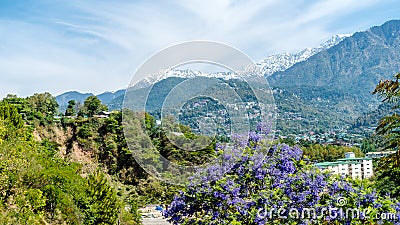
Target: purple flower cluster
{"type": "Point", "coordinates": [253, 176]}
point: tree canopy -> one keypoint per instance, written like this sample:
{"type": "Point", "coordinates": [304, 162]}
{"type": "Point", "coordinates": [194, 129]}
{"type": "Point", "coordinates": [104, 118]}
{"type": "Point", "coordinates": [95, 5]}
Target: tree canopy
{"type": "Point", "coordinates": [92, 106]}
{"type": "Point", "coordinates": [389, 126]}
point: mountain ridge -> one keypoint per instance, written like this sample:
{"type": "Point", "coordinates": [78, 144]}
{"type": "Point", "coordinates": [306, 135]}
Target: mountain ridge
{"type": "Point", "coordinates": [284, 61]}
{"type": "Point", "coordinates": [331, 88]}
{"type": "Point", "coordinates": [268, 65]}
{"type": "Point", "coordinates": [358, 62]}
{"type": "Point", "coordinates": [105, 97]}
{"type": "Point", "coordinates": [280, 62]}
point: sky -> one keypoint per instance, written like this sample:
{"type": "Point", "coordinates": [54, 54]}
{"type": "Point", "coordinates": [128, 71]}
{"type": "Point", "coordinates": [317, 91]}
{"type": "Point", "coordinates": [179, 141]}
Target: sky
{"type": "Point", "coordinates": [96, 46]}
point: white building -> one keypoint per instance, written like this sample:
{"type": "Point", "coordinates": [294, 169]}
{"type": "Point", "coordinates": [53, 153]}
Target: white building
{"type": "Point", "coordinates": [379, 154]}
{"type": "Point", "coordinates": [360, 168]}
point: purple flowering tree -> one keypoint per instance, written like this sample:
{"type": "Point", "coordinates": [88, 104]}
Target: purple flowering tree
{"type": "Point", "coordinates": [254, 182]}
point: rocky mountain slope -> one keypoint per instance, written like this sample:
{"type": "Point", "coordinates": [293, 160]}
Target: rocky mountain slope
{"type": "Point", "coordinates": [281, 62]}
{"type": "Point", "coordinates": [356, 64]}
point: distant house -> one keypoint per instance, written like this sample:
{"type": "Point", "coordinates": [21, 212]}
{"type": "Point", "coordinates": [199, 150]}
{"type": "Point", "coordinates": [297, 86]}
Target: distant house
{"type": "Point", "coordinates": [177, 133]}
{"type": "Point", "coordinates": [376, 155]}
{"type": "Point", "coordinates": [57, 118]}
{"type": "Point", "coordinates": [361, 168]}
{"type": "Point", "coordinates": [105, 113]}
{"type": "Point", "coordinates": [102, 114]}
{"type": "Point", "coordinates": [341, 143]}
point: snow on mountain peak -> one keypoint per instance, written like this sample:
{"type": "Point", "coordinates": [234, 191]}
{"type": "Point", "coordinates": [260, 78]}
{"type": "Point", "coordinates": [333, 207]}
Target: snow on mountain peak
{"type": "Point", "coordinates": [268, 65]}
{"type": "Point", "coordinates": [281, 62]}
{"type": "Point", "coordinates": [187, 73]}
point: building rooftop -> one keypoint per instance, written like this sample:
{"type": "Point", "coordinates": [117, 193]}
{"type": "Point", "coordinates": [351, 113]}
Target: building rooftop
{"type": "Point", "coordinates": [384, 152]}
{"type": "Point", "coordinates": [342, 162]}
{"type": "Point", "coordinates": [351, 159]}
{"type": "Point", "coordinates": [325, 164]}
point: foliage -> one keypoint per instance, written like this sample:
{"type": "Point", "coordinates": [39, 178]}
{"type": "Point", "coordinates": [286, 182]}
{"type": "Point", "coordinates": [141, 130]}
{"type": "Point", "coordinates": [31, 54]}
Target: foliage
{"type": "Point", "coordinates": [131, 215]}
{"type": "Point", "coordinates": [306, 108]}
{"type": "Point", "coordinates": [11, 123]}
{"type": "Point", "coordinates": [44, 107]}
{"type": "Point", "coordinates": [389, 125]}
{"type": "Point", "coordinates": [388, 170]}
{"type": "Point", "coordinates": [71, 108]}
{"type": "Point", "coordinates": [104, 139]}
{"type": "Point", "coordinates": [371, 119]}
{"type": "Point", "coordinates": [328, 153]}
{"type": "Point", "coordinates": [92, 106]}
{"type": "Point", "coordinates": [36, 110]}
{"type": "Point", "coordinates": [153, 191]}
{"type": "Point", "coordinates": [164, 142]}
{"type": "Point", "coordinates": [37, 186]}
{"type": "Point", "coordinates": [42, 187]}
{"type": "Point", "coordinates": [102, 200]}
{"type": "Point", "coordinates": [388, 177]}
{"type": "Point", "coordinates": [372, 144]}
{"type": "Point", "coordinates": [9, 114]}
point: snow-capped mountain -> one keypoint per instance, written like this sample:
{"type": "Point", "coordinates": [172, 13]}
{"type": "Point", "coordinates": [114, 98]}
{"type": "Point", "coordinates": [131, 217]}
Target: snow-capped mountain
{"type": "Point", "coordinates": [186, 73]}
{"type": "Point", "coordinates": [268, 66]}
{"type": "Point", "coordinates": [281, 62]}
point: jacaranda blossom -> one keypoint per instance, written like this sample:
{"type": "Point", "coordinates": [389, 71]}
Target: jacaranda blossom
{"type": "Point", "coordinates": [255, 182]}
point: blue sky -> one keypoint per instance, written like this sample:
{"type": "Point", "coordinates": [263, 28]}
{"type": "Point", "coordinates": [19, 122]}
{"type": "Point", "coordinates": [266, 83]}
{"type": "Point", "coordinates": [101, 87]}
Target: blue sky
{"type": "Point", "coordinates": [96, 46]}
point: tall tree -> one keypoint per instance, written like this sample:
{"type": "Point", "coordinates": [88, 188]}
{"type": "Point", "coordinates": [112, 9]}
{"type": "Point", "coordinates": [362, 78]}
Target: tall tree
{"type": "Point", "coordinates": [104, 205]}
{"type": "Point", "coordinates": [71, 108]}
{"type": "Point", "coordinates": [388, 170]}
{"type": "Point", "coordinates": [44, 103]}
{"type": "Point", "coordinates": [92, 106]}
{"type": "Point", "coordinates": [9, 114]}
{"type": "Point", "coordinates": [389, 126]}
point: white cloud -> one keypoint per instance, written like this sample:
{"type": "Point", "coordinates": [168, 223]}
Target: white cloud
{"type": "Point", "coordinates": [94, 46]}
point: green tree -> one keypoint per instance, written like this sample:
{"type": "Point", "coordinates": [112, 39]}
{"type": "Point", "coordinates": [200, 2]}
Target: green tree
{"type": "Point", "coordinates": [323, 153]}
{"type": "Point", "coordinates": [36, 186]}
{"type": "Point", "coordinates": [3, 131]}
{"type": "Point", "coordinates": [131, 215]}
{"type": "Point", "coordinates": [92, 106]}
{"type": "Point", "coordinates": [388, 178]}
{"type": "Point", "coordinates": [388, 169]}
{"type": "Point", "coordinates": [103, 202]}
{"type": "Point", "coordinates": [71, 108]}
{"type": "Point", "coordinates": [368, 146]}
{"type": "Point", "coordinates": [41, 108]}
{"type": "Point", "coordinates": [22, 105]}
{"type": "Point", "coordinates": [9, 114]}
{"type": "Point", "coordinates": [44, 103]}
{"type": "Point", "coordinates": [388, 127]}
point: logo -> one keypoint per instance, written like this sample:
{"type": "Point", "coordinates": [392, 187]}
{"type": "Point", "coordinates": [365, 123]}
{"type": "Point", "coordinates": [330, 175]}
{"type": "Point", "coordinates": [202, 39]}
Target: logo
{"type": "Point", "coordinates": [213, 104]}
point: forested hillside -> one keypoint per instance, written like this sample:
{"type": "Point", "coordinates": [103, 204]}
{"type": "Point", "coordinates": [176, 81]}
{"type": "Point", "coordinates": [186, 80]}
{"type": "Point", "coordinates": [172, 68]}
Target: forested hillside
{"type": "Point", "coordinates": [63, 162]}
{"type": "Point", "coordinates": [38, 185]}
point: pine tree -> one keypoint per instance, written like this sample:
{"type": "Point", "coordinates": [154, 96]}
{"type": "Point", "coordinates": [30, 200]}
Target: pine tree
{"type": "Point", "coordinates": [9, 114]}
{"type": "Point", "coordinates": [71, 111]}
{"type": "Point", "coordinates": [103, 202]}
